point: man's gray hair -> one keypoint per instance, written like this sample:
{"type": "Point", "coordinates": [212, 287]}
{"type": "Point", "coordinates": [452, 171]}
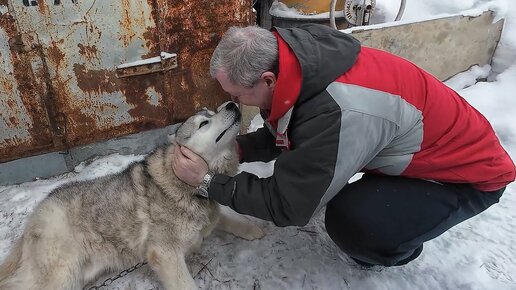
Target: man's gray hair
{"type": "Point", "coordinates": [244, 53]}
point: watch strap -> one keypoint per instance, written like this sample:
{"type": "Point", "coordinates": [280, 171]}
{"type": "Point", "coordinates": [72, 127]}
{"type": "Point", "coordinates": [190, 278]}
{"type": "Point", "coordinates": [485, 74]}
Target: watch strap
{"type": "Point", "coordinates": [202, 189]}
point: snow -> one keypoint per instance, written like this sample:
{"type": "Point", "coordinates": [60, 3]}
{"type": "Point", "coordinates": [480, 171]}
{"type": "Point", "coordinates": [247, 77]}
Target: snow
{"type": "Point", "coordinates": [477, 254]}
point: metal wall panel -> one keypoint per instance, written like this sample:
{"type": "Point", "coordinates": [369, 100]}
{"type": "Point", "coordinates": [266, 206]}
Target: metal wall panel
{"type": "Point", "coordinates": [24, 124]}
{"type": "Point", "coordinates": [82, 42]}
{"type": "Point", "coordinates": [72, 48]}
{"type": "Point", "coordinates": [193, 29]}
{"type": "Point", "coordinates": [442, 46]}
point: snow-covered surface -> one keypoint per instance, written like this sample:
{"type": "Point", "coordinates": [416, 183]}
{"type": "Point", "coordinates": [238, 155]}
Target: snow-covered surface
{"type": "Point", "coordinates": [3, 9]}
{"type": "Point", "coordinates": [477, 254]}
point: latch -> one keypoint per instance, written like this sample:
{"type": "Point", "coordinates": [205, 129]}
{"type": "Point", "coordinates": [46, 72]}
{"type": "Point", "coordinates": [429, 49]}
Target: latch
{"type": "Point", "coordinates": [166, 61]}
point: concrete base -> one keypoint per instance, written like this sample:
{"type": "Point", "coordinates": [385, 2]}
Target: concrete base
{"type": "Point", "coordinates": [443, 46]}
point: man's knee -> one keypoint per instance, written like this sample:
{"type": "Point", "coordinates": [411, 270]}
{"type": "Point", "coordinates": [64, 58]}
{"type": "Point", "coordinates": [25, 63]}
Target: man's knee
{"type": "Point", "coordinates": [353, 233]}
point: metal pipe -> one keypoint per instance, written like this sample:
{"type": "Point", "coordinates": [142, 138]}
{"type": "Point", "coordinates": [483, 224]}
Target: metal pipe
{"type": "Point", "coordinates": [402, 9]}
{"type": "Point", "coordinates": [332, 14]}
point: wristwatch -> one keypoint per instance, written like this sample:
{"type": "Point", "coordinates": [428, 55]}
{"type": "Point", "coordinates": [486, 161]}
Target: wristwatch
{"type": "Point", "coordinates": [202, 189]}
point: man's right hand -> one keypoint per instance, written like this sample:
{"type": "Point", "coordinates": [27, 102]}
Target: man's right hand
{"type": "Point", "coordinates": [188, 166]}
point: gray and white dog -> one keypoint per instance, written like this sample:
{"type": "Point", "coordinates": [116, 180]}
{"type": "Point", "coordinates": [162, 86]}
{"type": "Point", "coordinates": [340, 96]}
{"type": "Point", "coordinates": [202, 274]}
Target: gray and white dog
{"type": "Point", "coordinates": [83, 229]}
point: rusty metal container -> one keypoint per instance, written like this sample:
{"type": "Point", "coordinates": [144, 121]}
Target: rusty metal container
{"type": "Point", "coordinates": [313, 6]}
{"type": "Point", "coordinates": [71, 71]}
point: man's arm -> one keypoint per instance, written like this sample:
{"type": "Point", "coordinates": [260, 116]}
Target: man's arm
{"type": "Point", "coordinates": [329, 149]}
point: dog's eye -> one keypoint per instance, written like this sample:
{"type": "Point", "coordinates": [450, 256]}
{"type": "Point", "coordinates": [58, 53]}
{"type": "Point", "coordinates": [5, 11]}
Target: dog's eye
{"type": "Point", "coordinates": [203, 123]}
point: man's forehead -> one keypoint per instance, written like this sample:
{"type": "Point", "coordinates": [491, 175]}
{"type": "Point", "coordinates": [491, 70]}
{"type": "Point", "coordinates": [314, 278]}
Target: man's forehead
{"type": "Point", "coordinates": [224, 81]}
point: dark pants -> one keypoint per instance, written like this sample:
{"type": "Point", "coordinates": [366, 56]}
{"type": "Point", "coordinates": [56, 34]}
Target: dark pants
{"type": "Point", "coordinates": [384, 220]}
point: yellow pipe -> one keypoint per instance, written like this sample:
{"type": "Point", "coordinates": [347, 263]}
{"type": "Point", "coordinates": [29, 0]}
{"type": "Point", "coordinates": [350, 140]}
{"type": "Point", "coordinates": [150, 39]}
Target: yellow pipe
{"type": "Point", "coordinates": [313, 6]}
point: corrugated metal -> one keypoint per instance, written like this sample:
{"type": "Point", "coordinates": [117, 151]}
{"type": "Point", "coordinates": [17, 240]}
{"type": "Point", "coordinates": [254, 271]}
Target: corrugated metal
{"type": "Point", "coordinates": [68, 57]}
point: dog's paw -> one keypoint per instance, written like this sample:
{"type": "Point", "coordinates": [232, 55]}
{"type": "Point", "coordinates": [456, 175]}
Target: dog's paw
{"type": "Point", "coordinates": [252, 232]}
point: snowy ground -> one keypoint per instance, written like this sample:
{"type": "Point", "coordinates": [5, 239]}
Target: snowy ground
{"type": "Point", "coordinates": [477, 254]}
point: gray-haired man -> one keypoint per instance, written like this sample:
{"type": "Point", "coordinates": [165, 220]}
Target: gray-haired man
{"type": "Point", "coordinates": [334, 108]}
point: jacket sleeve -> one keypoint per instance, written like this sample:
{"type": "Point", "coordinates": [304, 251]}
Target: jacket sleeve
{"type": "Point", "coordinates": [329, 149]}
{"type": "Point", "coordinates": [258, 146]}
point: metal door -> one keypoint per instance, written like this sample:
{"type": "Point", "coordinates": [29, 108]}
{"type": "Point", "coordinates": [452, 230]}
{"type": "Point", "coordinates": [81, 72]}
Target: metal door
{"type": "Point", "coordinates": [72, 49]}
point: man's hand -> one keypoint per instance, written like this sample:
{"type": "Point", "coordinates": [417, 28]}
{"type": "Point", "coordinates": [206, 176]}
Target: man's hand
{"type": "Point", "coordinates": [188, 166]}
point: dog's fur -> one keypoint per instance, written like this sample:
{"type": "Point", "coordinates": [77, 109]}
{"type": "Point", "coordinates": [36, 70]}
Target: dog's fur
{"type": "Point", "coordinates": [85, 228]}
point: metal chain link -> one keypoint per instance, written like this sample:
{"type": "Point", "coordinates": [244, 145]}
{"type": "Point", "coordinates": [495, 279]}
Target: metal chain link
{"type": "Point", "coordinates": [110, 280]}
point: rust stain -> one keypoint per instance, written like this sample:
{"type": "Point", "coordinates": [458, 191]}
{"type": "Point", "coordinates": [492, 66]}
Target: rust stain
{"type": "Point", "coordinates": [55, 54]}
{"type": "Point", "coordinates": [4, 2]}
{"type": "Point", "coordinates": [128, 21]}
{"type": "Point", "coordinates": [77, 127]}
{"type": "Point", "coordinates": [196, 14]}
{"type": "Point", "coordinates": [29, 93]}
{"type": "Point", "coordinates": [87, 51]}
{"type": "Point", "coordinates": [188, 30]}
{"type": "Point", "coordinates": [11, 104]}
{"type": "Point", "coordinates": [125, 24]}
{"type": "Point", "coordinates": [95, 81]}
{"type": "Point", "coordinates": [191, 85]}
{"type": "Point", "coordinates": [6, 86]}
{"type": "Point", "coordinates": [42, 6]}
{"type": "Point", "coordinates": [14, 121]}
{"type": "Point", "coordinates": [151, 37]}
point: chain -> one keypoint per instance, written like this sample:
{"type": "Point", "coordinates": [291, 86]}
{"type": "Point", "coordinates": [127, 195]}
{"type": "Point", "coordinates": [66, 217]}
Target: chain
{"type": "Point", "coordinates": [110, 280]}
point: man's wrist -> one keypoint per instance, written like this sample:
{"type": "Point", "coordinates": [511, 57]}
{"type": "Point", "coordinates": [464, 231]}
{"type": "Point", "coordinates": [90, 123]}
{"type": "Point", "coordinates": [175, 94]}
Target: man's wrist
{"type": "Point", "coordinates": [202, 189]}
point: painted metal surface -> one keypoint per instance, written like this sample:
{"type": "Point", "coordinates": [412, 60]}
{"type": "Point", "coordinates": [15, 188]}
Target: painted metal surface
{"type": "Point", "coordinates": [24, 121]}
{"type": "Point", "coordinates": [59, 82]}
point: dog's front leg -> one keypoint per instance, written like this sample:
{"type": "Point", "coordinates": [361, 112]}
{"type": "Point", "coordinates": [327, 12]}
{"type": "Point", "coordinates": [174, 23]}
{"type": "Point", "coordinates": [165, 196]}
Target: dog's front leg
{"type": "Point", "coordinates": [171, 268]}
{"type": "Point", "coordinates": [239, 226]}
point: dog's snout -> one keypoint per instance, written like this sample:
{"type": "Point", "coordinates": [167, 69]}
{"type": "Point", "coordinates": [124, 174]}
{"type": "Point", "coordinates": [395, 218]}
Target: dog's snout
{"type": "Point", "coordinates": [231, 106]}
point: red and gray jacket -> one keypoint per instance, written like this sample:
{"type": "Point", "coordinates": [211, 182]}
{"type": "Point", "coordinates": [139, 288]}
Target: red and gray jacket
{"type": "Point", "coordinates": [356, 109]}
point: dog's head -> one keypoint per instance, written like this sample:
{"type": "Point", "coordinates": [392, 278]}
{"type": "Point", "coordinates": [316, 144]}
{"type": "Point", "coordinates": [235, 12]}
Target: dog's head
{"type": "Point", "coordinates": [211, 135]}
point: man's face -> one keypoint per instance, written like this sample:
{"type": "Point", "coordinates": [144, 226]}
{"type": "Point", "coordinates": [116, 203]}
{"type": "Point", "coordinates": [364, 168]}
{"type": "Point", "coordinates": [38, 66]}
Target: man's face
{"type": "Point", "coordinates": [259, 95]}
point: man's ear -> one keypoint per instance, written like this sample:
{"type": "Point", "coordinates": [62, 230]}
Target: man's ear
{"type": "Point", "coordinates": [269, 78]}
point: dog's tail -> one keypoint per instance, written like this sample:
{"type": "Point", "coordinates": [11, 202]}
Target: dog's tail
{"type": "Point", "coordinates": [11, 263]}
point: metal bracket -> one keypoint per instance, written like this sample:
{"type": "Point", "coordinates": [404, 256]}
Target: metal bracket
{"type": "Point", "coordinates": [166, 61]}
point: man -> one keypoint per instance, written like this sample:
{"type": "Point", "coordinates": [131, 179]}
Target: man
{"type": "Point", "coordinates": [334, 108]}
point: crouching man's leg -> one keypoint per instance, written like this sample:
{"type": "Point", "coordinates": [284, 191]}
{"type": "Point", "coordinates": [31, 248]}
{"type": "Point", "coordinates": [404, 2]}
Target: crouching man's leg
{"type": "Point", "coordinates": [384, 220]}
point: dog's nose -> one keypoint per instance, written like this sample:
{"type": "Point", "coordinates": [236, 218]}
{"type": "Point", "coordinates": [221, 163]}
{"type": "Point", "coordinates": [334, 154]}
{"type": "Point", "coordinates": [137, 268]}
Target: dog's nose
{"type": "Point", "coordinates": [231, 106]}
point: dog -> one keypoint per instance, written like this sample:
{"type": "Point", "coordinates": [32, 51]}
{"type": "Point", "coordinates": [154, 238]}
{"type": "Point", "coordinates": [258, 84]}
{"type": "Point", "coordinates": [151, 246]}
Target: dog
{"type": "Point", "coordinates": [83, 229]}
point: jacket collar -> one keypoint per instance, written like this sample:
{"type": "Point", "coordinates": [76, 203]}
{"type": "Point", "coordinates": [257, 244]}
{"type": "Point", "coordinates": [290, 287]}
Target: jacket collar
{"type": "Point", "coordinates": [286, 92]}
{"type": "Point", "coordinates": [288, 84]}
